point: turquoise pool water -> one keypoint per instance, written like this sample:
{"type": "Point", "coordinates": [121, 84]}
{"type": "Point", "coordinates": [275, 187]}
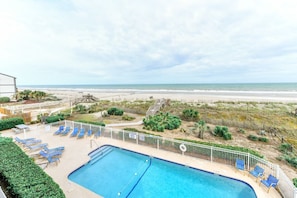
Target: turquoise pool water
{"type": "Point", "coordinates": [115, 172]}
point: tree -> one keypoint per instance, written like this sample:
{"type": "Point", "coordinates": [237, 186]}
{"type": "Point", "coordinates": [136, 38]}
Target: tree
{"type": "Point", "coordinates": [201, 127]}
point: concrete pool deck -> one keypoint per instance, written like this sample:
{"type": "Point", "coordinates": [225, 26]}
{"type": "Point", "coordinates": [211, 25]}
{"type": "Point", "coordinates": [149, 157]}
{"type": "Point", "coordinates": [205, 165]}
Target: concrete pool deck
{"type": "Point", "coordinates": [76, 154]}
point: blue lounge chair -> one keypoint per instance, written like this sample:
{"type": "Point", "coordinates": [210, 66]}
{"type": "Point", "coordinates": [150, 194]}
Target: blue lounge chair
{"type": "Point", "coordinates": [48, 150]}
{"type": "Point", "coordinates": [61, 128]}
{"type": "Point", "coordinates": [74, 132]}
{"type": "Point", "coordinates": [36, 147]}
{"type": "Point", "coordinates": [51, 154]}
{"type": "Point", "coordinates": [52, 160]}
{"type": "Point", "coordinates": [66, 131]}
{"type": "Point", "coordinates": [271, 181]}
{"type": "Point", "coordinates": [239, 164]}
{"type": "Point", "coordinates": [31, 142]}
{"type": "Point", "coordinates": [257, 172]}
{"type": "Point", "coordinates": [81, 133]}
{"type": "Point", "coordinates": [97, 134]}
{"type": "Point", "coordinates": [90, 132]}
{"type": "Point", "coordinates": [23, 141]}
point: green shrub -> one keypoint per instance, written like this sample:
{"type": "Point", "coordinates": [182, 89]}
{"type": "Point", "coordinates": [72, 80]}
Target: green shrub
{"type": "Point", "coordinates": [292, 160]}
{"type": "Point", "coordinates": [115, 111]}
{"type": "Point", "coordinates": [223, 131]}
{"type": "Point", "coordinates": [295, 182]}
{"type": "Point", "coordinates": [241, 130]}
{"type": "Point", "coordinates": [161, 121]}
{"type": "Point", "coordinates": [253, 137]}
{"type": "Point", "coordinates": [10, 123]}
{"type": "Point", "coordinates": [285, 147]}
{"type": "Point", "coordinates": [22, 176]}
{"type": "Point", "coordinates": [190, 114]}
{"type": "Point", "coordinates": [54, 118]}
{"type": "Point", "coordinates": [262, 139]}
{"type": "Point", "coordinates": [4, 99]}
{"type": "Point", "coordinates": [127, 118]}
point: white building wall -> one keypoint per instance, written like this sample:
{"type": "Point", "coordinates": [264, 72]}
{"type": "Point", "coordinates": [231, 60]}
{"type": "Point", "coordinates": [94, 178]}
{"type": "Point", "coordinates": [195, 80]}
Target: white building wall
{"type": "Point", "coordinates": [7, 85]}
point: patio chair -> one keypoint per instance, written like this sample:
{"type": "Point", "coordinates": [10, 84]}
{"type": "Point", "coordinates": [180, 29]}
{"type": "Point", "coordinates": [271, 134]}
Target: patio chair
{"type": "Point", "coordinates": [52, 160]}
{"type": "Point", "coordinates": [50, 154]}
{"type": "Point", "coordinates": [257, 172]}
{"type": "Point", "coordinates": [16, 130]}
{"type": "Point", "coordinates": [97, 134]}
{"type": "Point", "coordinates": [31, 142]}
{"type": "Point", "coordinates": [36, 147]}
{"type": "Point", "coordinates": [239, 164]}
{"type": "Point", "coordinates": [66, 131]}
{"type": "Point", "coordinates": [61, 128]}
{"type": "Point", "coordinates": [74, 132]}
{"type": "Point", "coordinates": [49, 150]}
{"type": "Point", "coordinates": [81, 133]}
{"type": "Point", "coordinates": [270, 182]}
{"type": "Point", "coordinates": [22, 141]}
{"type": "Point", "coordinates": [90, 132]}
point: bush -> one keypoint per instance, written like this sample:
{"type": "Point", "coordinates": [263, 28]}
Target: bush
{"type": "Point", "coordinates": [54, 118]}
{"type": "Point", "coordinates": [127, 118]}
{"type": "Point", "coordinates": [223, 131]}
{"type": "Point", "coordinates": [256, 138]}
{"type": "Point", "coordinates": [4, 99]}
{"type": "Point", "coordinates": [10, 123]}
{"type": "Point", "coordinates": [262, 139]}
{"type": "Point", "coordinates": [295, 182]}
{"type": "Point", "coordinates": [115, 111]}
{"type": "Point", "coordinates": [190, 114]}
{"type": "Point", "coordinates": [161, 121]}
{"type": "Point", "coordinates": [285, 147]}
{"type": "Point", "coordinates": [241, 130]}
{"type": "Point", "coordinates": [253, 137]}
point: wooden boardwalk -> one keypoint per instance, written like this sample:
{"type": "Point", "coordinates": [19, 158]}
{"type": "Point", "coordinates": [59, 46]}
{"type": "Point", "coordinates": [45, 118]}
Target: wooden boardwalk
{"type": "Point", "coordinates": [160, 103]}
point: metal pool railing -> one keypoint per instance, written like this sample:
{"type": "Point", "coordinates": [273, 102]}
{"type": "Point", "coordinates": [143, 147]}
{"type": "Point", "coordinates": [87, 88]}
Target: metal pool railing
{"type": "Point", "coordinates": [210, 153]}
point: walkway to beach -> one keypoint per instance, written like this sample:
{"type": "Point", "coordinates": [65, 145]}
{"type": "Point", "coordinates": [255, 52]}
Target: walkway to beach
{"type": "Point", "coordinates": [76, 154]}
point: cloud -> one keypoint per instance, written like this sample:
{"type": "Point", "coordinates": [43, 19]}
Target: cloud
{"type": "Point", "coordinates": [95, 42]}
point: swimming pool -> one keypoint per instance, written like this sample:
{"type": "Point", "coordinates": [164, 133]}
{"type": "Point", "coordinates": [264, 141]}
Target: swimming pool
{"type": "Point", "coordinates": [116, 172]}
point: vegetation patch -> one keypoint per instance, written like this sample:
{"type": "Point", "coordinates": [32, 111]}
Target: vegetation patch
{"type": "Point", "coordinates": [190, 115]}
{"type": "Point", "coordinates": [288, 155]}
{"type": "Point", "coordinates": [128, 118]}
{"type": "Point", "coordinates": [10, 123]}
{"type": "Point", "coordinates": [54, 118]}
{"type": "Point", "coordinates": [161, 121]}
{"type": "Point", "coordinates": [4, 99]}
{"type": "Point", "coordinates": [92, 122]}
{"type": "Point", "coordinates": [295, 182]}
{"type": "Point", "coordinates": [115, 111]}
{"type": "Point", "coordinates": [223, 131]}
{"type": "Point", "coordinates": [139, 131]}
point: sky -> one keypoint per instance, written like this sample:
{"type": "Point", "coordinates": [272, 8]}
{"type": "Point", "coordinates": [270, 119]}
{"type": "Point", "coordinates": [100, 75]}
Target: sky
{"type": "Point", "coordinates": [51, 42]}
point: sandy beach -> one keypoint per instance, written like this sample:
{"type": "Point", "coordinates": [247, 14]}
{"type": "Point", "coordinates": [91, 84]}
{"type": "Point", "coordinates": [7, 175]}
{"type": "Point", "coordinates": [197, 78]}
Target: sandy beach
{"type": "Point", "coordinates": [201, 96]}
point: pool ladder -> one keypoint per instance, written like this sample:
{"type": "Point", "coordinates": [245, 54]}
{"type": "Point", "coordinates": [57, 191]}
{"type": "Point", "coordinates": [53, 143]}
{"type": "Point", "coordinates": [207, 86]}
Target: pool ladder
{"type": "Point", "coordinates": [93, 141]}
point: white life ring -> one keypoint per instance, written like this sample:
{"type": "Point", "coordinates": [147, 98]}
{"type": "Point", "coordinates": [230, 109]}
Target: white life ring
{"type": "Point", "coordinates": [183, 147]}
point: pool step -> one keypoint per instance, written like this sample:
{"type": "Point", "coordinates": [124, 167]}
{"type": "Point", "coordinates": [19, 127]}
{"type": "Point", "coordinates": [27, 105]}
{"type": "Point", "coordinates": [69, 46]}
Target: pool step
{"type": "Point", "coordinates": [98, 151]}
{"type": "Point", "coordinates": [100, 154]}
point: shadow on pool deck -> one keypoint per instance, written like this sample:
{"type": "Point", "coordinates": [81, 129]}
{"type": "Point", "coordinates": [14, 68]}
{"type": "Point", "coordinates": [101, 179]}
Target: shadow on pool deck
{"type": "Point", "coordinates": [76, 154]}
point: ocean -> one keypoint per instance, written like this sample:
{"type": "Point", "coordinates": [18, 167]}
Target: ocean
{"type": "Point", "coordinates": [225, 87]}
